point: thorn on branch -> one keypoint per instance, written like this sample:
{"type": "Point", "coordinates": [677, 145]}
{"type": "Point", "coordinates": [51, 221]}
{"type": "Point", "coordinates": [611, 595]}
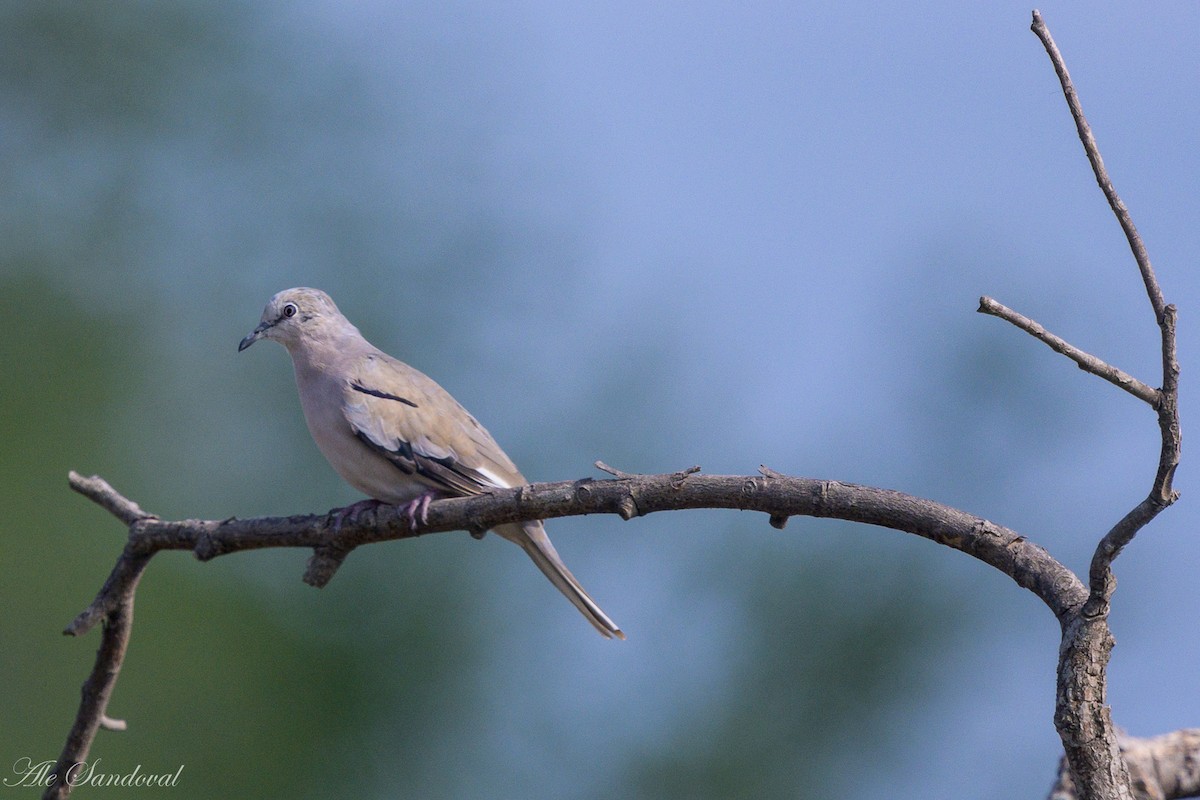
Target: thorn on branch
{"type": "Point", "coordinates": [110, 724]}
{"type": "Point", "coordinates": [600, 465]}
{"type": "Point", "coordinates": [678, 478]}
{"type": "Point", "coordinates": [779, 521]}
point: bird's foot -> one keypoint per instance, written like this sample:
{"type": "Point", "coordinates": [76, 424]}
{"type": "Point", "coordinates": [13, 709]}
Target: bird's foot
{"type": "Point", "coordinates": [417, 511]}
{"type": "Point", "coordinates": [352, 512]}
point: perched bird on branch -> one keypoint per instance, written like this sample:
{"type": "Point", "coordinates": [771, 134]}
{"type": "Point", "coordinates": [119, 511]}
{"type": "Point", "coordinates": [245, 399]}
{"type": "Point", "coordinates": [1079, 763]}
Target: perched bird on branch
{"type": "Point", "coordinates": [394, 434]}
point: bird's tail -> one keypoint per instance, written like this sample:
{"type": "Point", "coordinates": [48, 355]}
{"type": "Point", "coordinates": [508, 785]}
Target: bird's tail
{"type": "Point", "coordinates": [534, 541]}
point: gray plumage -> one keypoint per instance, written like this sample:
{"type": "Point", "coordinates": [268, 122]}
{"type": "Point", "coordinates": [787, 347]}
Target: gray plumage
{"type": "Point", "coordinates": [393, 433]}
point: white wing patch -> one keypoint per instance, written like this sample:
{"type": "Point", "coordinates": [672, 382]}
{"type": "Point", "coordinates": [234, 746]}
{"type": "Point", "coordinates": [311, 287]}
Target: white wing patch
{"type": "Point", "coordinates": [494, 479]}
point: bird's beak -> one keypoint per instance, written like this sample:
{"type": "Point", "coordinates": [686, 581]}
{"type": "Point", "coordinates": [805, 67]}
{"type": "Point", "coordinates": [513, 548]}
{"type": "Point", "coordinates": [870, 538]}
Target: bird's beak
{"type": "Point", "coordinates": [253, 336]}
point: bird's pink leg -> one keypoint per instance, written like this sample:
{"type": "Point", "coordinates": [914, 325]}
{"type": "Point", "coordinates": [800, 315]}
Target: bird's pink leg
{"type": "Point", "coordinates": [417, 510]}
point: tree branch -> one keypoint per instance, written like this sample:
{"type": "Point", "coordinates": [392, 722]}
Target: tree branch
{"type": "Point", "coordinates": [118, 592]}
{"type": "Point", "coordinates": [1086, 361]}
{"type": "Point", "coordinates": [102, 494]}
{"type": "Point", "coordinates": [1165, 767]}
{"type": "Point", "coordinates": [1093, 155]}
{"type": "Point", "coordinates": [1081, 716]}
{"type": "Point", "coordinates": [1161, 494]}
{"type": "Point", "coordinates": [772, 493]}
{"type": "Point", "coordinates": [776, 495]}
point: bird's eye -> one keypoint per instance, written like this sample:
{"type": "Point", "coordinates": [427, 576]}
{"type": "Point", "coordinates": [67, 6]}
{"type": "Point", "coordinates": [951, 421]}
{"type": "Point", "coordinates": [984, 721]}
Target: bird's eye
{"type": "Point", "coordinates": [289, 310]}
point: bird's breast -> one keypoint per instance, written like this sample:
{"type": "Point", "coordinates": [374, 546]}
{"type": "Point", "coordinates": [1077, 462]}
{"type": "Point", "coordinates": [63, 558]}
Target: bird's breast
{"type": "Point", "coordinates": [322, 399]}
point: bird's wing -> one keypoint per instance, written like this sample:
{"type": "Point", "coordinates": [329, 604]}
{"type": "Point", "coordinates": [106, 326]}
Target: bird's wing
{"type": "Point", "coordinates": [414, 423]}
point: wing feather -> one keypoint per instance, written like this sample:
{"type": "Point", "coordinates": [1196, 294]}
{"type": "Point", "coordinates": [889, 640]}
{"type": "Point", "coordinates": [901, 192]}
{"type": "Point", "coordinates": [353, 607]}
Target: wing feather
{"type": "Point", "coordinates": [415, 424]}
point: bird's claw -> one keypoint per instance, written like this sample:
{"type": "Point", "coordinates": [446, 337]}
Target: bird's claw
{"type": "Point", "coordinates": [352, 512]}
{"type": "Point", "coordinates": [417, 511]}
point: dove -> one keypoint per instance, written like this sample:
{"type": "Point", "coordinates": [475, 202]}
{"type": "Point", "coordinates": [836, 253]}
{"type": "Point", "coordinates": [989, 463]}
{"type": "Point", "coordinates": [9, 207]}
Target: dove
{"type": "Point", "coordinates": [394, 434]}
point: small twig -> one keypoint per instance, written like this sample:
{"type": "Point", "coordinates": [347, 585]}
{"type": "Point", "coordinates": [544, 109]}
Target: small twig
{"type": "Point", "coordinates": [1093, 154]}
{"type": "Point", "coordinates": [678, 478]}
{"type": "Point", "coordinates": [1086, 361]}
{"type": "Point", "coordinates": [102, 494]}
{"type": "Point", "coordinates": [110, 724]}
{"type": "Point", "coordinates": [124, 574]}
{"type": "Point", "coordinates": [616, 473]}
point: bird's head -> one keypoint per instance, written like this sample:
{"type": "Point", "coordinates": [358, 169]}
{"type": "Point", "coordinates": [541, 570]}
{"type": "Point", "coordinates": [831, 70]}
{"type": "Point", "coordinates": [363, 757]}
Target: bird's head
{"type": "Point", "coordinates": [295, 314]}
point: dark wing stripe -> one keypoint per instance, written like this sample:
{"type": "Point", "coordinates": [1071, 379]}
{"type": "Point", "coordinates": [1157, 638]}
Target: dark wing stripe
{"type": "Point", "coordinates": [447, 473]}
{"type": "Point", "coordinates": [358, 387]}
{"type": "Point", "coordinates": [402, 458]}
